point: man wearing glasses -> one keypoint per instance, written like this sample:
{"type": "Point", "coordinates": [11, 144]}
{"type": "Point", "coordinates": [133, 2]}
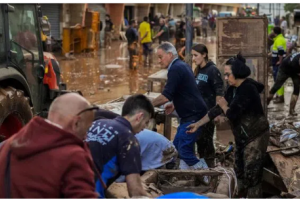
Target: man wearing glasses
{"type": "Point", "coordinates": [114, 148]}
{"type": "Point", "coordinates": [48, 158]}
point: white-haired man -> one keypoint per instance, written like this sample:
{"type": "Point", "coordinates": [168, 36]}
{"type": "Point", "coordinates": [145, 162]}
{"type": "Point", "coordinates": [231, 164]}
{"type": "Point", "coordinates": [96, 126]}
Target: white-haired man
{"type": "Point", "coordinates": [181, 88]}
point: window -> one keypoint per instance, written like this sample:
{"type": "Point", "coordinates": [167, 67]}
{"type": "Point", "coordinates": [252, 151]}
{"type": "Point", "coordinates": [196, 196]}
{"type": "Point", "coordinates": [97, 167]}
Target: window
{"type": "Point", "coordinates": [24, 30]}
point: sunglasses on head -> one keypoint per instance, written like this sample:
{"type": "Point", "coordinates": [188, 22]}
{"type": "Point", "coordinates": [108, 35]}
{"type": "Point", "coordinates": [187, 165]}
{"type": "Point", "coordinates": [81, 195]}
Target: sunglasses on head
{"type": "Point", "coordinates": [90, 108]}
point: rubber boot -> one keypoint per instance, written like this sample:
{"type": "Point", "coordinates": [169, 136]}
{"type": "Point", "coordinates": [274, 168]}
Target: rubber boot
{"type": "Point", "coordinates": [280, 99]}
{"type": "Point", "coordinates": [293, 102]}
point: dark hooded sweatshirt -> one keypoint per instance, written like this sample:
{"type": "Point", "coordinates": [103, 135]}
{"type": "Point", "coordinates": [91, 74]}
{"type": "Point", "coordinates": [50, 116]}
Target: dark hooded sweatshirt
{"type": "Point", "coordinates": [245, 113]}
{"type": "Point", "coordinates": [47, 162]}
{"type": "Point", "coordinates": [210, 83]}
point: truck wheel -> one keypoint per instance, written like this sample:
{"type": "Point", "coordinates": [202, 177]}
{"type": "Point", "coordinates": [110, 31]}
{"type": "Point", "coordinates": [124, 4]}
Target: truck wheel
{"type": "Point", "coordinates": [15, 111]}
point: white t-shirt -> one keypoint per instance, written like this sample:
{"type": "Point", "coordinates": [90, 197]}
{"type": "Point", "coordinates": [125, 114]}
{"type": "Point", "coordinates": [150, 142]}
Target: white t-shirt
{"type": "Point", "coordinates": [283, 25]}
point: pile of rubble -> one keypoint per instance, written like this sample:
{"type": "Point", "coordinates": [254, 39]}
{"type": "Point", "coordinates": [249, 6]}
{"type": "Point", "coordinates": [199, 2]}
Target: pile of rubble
{"type": "Point", "coordinates": [286, 136]}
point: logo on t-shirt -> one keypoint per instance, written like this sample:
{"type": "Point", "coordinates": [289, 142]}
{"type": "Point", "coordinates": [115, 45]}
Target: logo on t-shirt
{"type": "Point", "coordinates": [202, 77]}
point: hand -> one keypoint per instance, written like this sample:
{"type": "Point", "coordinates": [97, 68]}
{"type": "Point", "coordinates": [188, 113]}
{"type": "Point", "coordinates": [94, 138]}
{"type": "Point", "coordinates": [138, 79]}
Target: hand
{"type": "Point", "coordinates": [222, 102]}
{"type": "Point", "coordinates": [278, 63]}
{"type": "Point", "coordinates": [220, 119]}
{"type": "Point", "coordinates": [192, 128]}
{"type": "Point", "coordinates": [169, 108]}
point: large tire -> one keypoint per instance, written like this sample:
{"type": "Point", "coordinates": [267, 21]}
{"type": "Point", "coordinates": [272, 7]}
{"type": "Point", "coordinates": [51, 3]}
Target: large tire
{"type": "Point", "coordinates": [15, 111]}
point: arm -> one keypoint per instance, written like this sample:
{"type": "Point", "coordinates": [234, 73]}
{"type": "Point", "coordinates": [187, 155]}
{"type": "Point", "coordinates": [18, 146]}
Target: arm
{"type": "Point", "coordinates": [280, 54]}
{"type": "Point", "coordinates": [134, 185]}
{"type": "Point", "coordinates": [160, 100]}
{"type": "Point", "coordinates": [78, 180]}
{"type": "Point", "coordinates": [213, 113]}
{"type": "Point", "coordinates": [217, 83]}
{"type": "Point", "coordinates": [129, 159]}
{"type": "Point", "coordinates": [144, 35]}
{"type": "Point", "coordinates": [158, 34]}
{"type": "Point", "coordinates": [239, 103]}
{"type": "Point", "coordinates": [173, 81]}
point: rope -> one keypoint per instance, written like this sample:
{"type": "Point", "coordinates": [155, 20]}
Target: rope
{"type": "Point", "coordinates": [228, 173]}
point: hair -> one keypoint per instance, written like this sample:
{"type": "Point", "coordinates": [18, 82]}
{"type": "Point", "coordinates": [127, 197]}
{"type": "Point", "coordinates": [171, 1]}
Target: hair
{"type": "Point", "coordinates": [238, 66]}
{"type": "Point", "coordinates": [107, 15]}
{"type": "Point", "coordinates": [277, 30]}
{"type": "Point", "coordinates": [146, 19]}
{"type": "Point", "coordinates": [132, 21]}
{"type": "Point", "coordinates": [202, 49]}
{"type": "Point", "coordinates": [135, 103]}
{"type": "Point", "coordinates": [168, 48]}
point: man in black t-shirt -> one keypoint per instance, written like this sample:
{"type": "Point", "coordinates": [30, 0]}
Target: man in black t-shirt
{"type": "Point", "coordinates": [114, 148]}
{"type": "Point", "coordinates": [132, 39]}
{"type": "Point", "coordinates": [163, 33]}
{"type": "Point", "coordinates": [289, 68]}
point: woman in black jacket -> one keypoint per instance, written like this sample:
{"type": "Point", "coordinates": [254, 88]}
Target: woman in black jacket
{"type": "Point", "coordinates": [242, 106]}
{"type": "Point", "coordinates": [211, 88]}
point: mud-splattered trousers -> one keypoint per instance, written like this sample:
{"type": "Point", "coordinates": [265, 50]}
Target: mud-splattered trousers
{"type": "Point", "coordinates": [249, 166]}
{"type": "Point", "coordinates": [205, 143]}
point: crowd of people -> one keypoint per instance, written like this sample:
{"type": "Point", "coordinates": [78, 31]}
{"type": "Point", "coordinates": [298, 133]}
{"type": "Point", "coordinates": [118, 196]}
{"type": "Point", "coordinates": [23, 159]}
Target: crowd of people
{"type": "Point", "coordinates": [163, 29]}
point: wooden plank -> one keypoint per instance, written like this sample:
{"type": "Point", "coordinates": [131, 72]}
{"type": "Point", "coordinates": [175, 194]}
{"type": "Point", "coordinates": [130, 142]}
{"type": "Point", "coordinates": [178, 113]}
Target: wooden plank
{"type": "Point", "coordinates": [188, 172]}
{"type": "Point", "coordinates": [285, 166]}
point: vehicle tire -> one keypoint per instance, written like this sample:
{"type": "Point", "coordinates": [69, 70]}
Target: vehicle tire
{"type": "Point", "coordinates": [15, 111]}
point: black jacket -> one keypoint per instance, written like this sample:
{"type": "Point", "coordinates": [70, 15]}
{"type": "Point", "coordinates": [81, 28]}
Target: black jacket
{"type": "Point", "coordinates": [245, 113]}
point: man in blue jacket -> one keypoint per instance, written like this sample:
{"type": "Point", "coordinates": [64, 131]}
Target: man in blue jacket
{"type": "Point", "coordinates": [181, 88]}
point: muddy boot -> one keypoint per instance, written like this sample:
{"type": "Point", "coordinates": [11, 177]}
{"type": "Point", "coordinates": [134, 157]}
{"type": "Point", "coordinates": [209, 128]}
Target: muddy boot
{"type": "Point", "coordinates": [293, 102]}
{"type": "Point", "coordinates": [202, 165]}
{"type": "Point", "coordinates": [255, 192]}
{"type": "Point", "coordinates": [280, 99]}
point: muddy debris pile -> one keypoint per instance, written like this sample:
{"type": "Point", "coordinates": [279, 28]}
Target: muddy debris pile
{"type": "Point", "coordinates": [285, 135]}
{"type": "Point", "coordinates": [225, 154]}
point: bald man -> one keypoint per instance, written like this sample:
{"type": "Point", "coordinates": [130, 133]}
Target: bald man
{"type": "Point", "coordinates": [48, 158]}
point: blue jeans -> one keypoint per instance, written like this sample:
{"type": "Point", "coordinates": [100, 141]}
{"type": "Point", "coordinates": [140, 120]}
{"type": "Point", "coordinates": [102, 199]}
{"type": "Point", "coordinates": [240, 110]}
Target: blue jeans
{"type": "Point", "coordinates": [184, 144]}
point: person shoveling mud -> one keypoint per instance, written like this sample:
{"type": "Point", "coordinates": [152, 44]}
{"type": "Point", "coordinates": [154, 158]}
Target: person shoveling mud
{"type": "Point", "coordinates": [242, 106]}
{"type": "Point", "coordinates": [290, 68]}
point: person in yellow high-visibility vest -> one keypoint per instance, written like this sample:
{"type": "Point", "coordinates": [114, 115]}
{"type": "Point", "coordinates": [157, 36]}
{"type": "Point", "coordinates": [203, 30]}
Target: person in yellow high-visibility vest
{"type": "Point", "coordinates": [278, 53]}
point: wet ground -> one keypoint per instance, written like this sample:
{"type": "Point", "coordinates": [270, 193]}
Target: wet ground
{"type": "Point", "coordinates": [105, 75]}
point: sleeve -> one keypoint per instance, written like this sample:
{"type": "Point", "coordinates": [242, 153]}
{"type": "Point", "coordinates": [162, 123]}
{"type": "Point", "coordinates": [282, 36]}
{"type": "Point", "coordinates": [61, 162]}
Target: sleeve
{"type": "Point", "coordinates": [280, 50]}
{"type": "Point", "coordinates": [214, 112]}
{"type": "Point", "coordinates": [240, 102]}
{"type": "Point", "coordinates": [78, 181]}
{"type": "Point", "coordinates": [217, 82]}
{"type": "Point", "coordinates": [173, 81]}
{"type": "Point", "coordinates": [129, 157]}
